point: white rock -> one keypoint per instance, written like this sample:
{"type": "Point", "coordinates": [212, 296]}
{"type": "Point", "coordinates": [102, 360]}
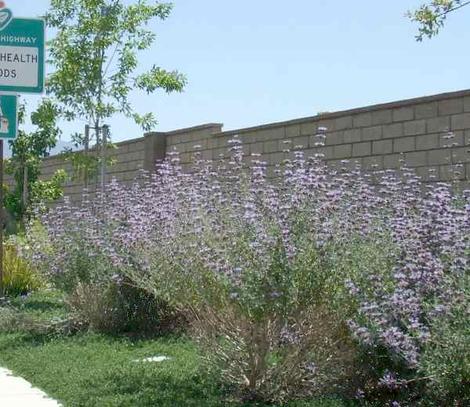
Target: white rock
{"type": "Point", "coordinates": [153, 359]}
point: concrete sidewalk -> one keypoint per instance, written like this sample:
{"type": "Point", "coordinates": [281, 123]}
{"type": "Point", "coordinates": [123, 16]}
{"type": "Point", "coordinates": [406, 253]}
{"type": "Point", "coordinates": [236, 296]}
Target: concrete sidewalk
{"type": "Point", "coordinates": [17, 392]}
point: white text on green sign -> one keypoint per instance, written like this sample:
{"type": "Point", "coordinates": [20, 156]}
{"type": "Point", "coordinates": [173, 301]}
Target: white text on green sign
{"type": "Point", "coordinates": [8, 116]}
{"type": "Point", "coordinates": [22, 55]}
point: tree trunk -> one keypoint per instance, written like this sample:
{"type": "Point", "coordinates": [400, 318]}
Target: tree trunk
{"type": "Point", "coordinates": [24, 197]}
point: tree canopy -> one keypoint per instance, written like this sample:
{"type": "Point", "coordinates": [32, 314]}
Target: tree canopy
{"type": "Point", "coordinates": [28, 149]}
{"type": "Point", "coordinates": [431, 16]}
{"type": "Point", "coordinates": [95, 57]}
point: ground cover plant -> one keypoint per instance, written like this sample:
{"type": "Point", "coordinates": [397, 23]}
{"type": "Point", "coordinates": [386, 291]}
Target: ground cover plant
{"type": "Point", "coordinates": [322, 280]}
{"type": "Point", "coordinates": [41, 314]}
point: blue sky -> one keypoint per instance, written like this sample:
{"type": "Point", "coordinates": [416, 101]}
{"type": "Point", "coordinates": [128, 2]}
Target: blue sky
{"type": "Point", "coordinates": [250, 62]}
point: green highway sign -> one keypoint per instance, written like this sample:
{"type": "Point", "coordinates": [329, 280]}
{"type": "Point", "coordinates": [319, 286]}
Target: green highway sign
{"type": "Point", "coordinates": [22, 55]}
{"type": "Point", "coordinates": [8, 116]}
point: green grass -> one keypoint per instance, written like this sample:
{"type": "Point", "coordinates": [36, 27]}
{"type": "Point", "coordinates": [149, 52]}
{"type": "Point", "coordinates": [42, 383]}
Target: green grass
{"type": "Point", "coordinates": [97, 370]}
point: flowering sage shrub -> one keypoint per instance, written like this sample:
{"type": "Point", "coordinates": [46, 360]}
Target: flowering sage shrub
{"type": "Point", "coordinates": [79, 249]}
{"type": "Point", "coordinates": [417, 314]}
{"type": "Point", "coordinates": [286, 279]}
{"type": "Point", "coordinates": [255, 263]}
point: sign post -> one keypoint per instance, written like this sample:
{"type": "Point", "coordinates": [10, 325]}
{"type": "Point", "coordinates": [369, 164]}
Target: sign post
{"type": "Point", "coordinates": [2, 219]}
{"type": "Point", "coordinates": [22, 68]}
{"type": "Point", "coordinates": [8, 131]}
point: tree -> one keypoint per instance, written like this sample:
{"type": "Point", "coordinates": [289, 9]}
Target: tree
{"type": "Point", "coordinates": [95, 57]}
{"type": "Point", "coordinates": [27, 151]}
{"type": "Point", "coordinates": [431, 16]}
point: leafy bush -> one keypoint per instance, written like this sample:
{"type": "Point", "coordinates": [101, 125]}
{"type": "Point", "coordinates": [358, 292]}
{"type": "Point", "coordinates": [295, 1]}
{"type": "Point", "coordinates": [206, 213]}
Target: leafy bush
{"type": "Point", "coordinates": [278, 276]}
{"type": "Point", "coordinates": [18, 276]}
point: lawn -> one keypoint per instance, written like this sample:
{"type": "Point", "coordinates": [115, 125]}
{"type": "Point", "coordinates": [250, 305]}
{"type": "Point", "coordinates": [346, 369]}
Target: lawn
{"type": "Point", "coordinates": [97, 370]}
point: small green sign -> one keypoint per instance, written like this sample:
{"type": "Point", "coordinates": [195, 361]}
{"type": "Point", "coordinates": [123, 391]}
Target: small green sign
{"type": "Point", "coordinates": [8, 116]}
{"type": "Point", "coordinates": [22, 57]}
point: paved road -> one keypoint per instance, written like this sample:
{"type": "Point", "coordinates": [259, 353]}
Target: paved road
{"type": "Point", "coordinates": [17, 392]}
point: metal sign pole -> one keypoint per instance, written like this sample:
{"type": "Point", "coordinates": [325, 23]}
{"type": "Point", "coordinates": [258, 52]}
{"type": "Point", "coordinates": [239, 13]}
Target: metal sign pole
{"type": "Point", "coordinates": [2, 219]}
{"type": "Point", "coordinates": [8, 131]}
{"type": "Point", "coordinates": [23, 43]}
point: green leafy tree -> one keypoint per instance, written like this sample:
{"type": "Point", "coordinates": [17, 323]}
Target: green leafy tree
{"type": "Point", "coordinates": [431, 16]}
{"type": "Point", "coordinates": [95, 59]}
{"type": "Point", "coordinates": [28, 149]}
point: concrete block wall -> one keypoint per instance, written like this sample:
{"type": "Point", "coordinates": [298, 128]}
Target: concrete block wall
{"type": "Point", "coordinates": [128, 161]}
{"type": "Point", "coordinates": [378, 137]}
